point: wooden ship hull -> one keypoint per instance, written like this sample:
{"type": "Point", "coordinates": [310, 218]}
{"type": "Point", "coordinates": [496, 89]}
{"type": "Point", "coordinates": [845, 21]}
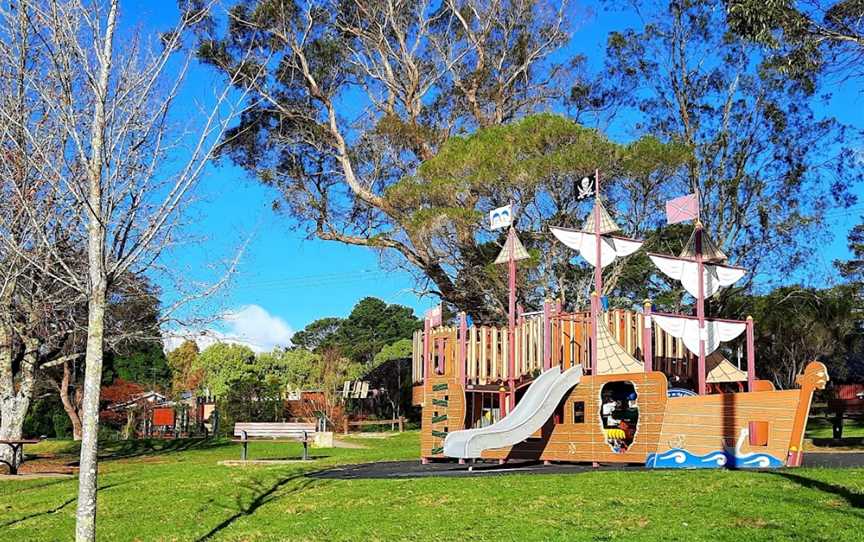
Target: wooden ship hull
{"type": "Point", "coordinates": [762, 428]}
{"type": "Point", "coordinates": [732, 430]}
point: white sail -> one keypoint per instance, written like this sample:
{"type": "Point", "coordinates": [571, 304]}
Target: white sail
{"type": "Point", "coordinates": [714, 276]}
{"type": "Point", "coordinates": [687, 329]}
{"type": "Point", "coordinates": [611, 247]}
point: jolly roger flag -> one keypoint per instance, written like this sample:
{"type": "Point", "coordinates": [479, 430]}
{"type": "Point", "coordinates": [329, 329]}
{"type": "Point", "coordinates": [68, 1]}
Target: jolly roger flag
{"type": "Point", "coordinates": [584, 187]}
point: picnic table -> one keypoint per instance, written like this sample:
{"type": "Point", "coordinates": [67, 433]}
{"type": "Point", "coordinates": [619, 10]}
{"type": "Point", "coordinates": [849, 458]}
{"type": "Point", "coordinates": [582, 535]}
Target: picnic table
{"type": "Point", "coordinates": [17, 450]}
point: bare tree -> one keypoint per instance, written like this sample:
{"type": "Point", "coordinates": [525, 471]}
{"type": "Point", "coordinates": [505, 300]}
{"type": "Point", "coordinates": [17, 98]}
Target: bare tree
{"type": "Point", "coordinates": [37, 323]}
{"type": "Point", "coordinates": [125, 167]}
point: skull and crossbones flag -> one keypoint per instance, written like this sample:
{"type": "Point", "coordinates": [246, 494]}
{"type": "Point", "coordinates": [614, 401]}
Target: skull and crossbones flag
{"type": "Point", "coordinates": [584, 188]}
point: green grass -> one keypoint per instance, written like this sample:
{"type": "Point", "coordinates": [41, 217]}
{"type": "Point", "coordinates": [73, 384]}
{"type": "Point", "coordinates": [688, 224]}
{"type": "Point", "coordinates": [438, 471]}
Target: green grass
{"type": "Point", "coordinates": [819, 427]}
{"type": "Point", "coordinates": [180, 493]}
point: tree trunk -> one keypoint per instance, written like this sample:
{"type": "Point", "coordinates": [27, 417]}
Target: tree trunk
{"type": "Point", "coordinates": [85, 516]}
{"type": "Point", "coordinates": [16, 393]}
{"type": "Point", "coordinates": [70, 404]}
{"type": "Point", "coordinates": [13, 410]}
{"type": "Point", "coordinates": [85, 528]}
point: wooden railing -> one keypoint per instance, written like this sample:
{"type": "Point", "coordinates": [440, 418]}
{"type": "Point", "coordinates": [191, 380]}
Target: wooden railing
{"type": "Point", "coordinates": [400, 422]}
{"type": "Point", "coordinates": [486, 348]}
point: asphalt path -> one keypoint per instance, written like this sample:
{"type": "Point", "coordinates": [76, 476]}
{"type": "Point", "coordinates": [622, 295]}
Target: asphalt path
{"type": "Point", "coordinates": [414, 469]}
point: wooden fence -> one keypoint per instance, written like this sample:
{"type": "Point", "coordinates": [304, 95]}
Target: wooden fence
{"type": "Point", "coordinates": [400, 422]}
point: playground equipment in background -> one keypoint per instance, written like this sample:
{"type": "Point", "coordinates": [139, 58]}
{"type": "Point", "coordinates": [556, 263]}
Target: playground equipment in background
{"type": "Point", "coordinates": [609, 386]}
{"type": "Point", "coordinates": [166, 419]}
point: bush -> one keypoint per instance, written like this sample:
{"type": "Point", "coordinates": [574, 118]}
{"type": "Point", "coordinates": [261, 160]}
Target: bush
{"type": "Point", "coordinates": [249, 403]}
{"type": "Point", "coordinates": [40, 418]}
{"type": "Point", "coordinates": [62, 425]}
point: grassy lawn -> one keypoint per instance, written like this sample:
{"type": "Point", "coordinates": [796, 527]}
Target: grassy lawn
{"type": "Point", "coordinates": [819, 427]}
{"type": "Point", "coordinates": [181, 493]}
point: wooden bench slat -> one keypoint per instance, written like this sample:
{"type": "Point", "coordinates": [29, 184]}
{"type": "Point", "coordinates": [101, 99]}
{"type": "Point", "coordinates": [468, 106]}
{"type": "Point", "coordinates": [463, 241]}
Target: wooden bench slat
{"type": "Point", "coordinates": [291, 430]}
{"type": "Point", "coordinates": [275, 430]}
{"type": "Point", "coordinates": [274, 424]}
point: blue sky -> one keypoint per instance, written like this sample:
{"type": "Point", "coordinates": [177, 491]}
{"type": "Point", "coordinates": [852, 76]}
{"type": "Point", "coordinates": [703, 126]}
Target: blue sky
{"type": "Point", "coordinates": [285, 281]}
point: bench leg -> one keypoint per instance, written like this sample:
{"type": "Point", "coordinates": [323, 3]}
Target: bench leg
{"type": "Point", "coordinates": [16, 460]}
{"type": "Point", "coordinates": [837, 428]}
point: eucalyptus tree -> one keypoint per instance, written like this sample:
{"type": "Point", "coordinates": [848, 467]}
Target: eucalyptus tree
{"type": "Point", "coordinates": [356, 94]}
{"type": "Point", "coordinates": [767, 164]}
{"type": "Point", "coordinates": [804, 37]}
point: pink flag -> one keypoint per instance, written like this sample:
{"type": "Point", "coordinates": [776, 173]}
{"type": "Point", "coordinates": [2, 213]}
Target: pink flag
{"type": "Point", "coordinates": [682, 209]}
{"type": "Point", "coordinates": [434, 316]}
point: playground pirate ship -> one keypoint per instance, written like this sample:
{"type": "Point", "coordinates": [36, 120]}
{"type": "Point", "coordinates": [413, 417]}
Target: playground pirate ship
{"type": "Point", "coordinates": [618, 386]}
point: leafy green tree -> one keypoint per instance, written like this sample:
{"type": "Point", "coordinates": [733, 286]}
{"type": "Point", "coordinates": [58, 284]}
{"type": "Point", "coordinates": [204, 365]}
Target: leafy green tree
{"type": "Point", "coordinates": [534, 162]}
{"type": "Point", "coordinates": [182, 361]}
{"type": "Point", "coordinates": [761, 154]}
{"type": "Point", "coordinates": [145, 364]}
{"type": "Point", "coordinates": [295, 369]}
{"type": "Point", "coordinates": [391, 371]}
{"type": "Point", "coordinates": [317, 335]}
{"type": "Point", "coordinates": [371, 325]}
{"type": "Point", "coordinates": [804, 37]}
{"type": "Point", "coordinates": [400, 349]}
{"type": "Point", "coordinates": [795, 325]}
{"type": "Point", "coordinates": [853, 269]}
{"type": "Point", "coordinates": [251, 387]}
{"type": "Point", "coordinates": [225, 365]}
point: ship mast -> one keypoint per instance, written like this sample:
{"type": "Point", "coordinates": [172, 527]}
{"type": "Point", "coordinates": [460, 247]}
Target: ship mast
{"type": "Point", "coordinates": [511, 321]}
{"type": "Point", "coordinates": [596, 243]}
{"type": "Point", "coordinates": [598, 270]}
{"type": "Point", "coordinates": [700, 306]}
{"type": "Point", "coordinates": [701, 336]}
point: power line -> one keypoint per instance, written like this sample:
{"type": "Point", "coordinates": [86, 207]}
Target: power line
{"type": "Point", "coordinates": [314, 281]}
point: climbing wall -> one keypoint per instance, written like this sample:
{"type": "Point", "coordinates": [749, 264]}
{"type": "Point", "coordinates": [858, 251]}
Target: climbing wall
{"type": "Point", "coordinates": [443, 399]}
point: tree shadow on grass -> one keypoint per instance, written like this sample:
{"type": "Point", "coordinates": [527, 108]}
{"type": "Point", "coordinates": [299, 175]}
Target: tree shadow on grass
{"type": "Point", "coordinates": [42, 485]}
{"type": "Point", "coordinates": [128, 449]}
{"type": "Point", "coordinates": [853, 498]}
{"type": "Point", "coordinates": [136, 448]}
{"type": "Point", "coordinates": [265, 495]}
{"type": "Point", "coordinates": [55, 509]}
{"type": "Point", "coordinates": [52, 510]}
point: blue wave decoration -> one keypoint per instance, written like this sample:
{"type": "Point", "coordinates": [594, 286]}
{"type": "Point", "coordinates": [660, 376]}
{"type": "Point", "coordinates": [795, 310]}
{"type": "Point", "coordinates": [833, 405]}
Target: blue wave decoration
{"type": "Point", "coordinates": [678, 458]}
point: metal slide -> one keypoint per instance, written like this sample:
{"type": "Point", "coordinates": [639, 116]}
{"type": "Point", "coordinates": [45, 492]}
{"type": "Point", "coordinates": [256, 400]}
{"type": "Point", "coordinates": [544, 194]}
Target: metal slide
{"type": "Point", "coordinates": [536, 406]}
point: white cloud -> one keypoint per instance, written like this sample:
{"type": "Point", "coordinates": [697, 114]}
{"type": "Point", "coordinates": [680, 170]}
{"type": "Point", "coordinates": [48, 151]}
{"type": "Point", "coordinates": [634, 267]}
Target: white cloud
{"type": "Point", "coordinates": [250, 325]}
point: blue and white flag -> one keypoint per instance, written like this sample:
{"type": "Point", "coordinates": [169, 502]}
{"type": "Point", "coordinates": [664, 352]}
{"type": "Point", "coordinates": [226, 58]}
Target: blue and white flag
{"type": "Point", "coordinates": [501, 217]}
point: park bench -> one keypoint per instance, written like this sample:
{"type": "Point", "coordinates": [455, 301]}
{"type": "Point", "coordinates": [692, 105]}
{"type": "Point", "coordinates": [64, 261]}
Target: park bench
{"type": "Point", "coordinates": [17, 453]}
{"type": "Point", "coordinates": [275, 432]}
